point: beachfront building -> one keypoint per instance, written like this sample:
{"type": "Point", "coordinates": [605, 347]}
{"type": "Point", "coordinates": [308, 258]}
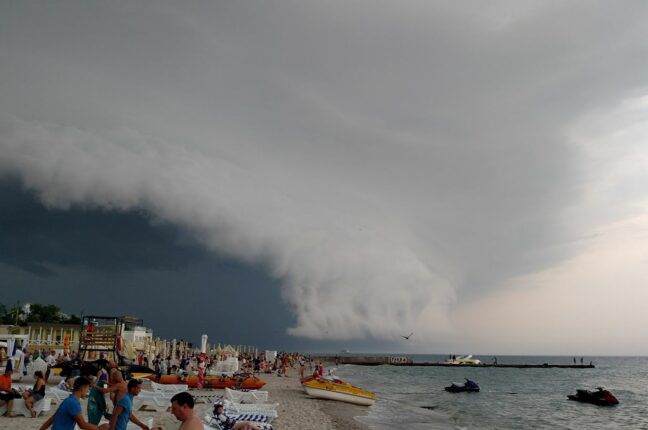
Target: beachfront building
{"type": "Point", "coordinates": [50, 336]}
{"type": "Point", "coordinates": [136, 334]}
{"type": "Point", "coordinates": [6, 329]}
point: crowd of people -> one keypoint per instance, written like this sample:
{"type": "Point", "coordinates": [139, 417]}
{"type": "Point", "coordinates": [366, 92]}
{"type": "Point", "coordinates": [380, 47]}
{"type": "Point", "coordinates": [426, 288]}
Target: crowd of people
{"type": "Point", "coordinates": [70, 413]}
{"type": "Point", "coordinates": [248, 363]}
{"type": "Point", "coordinates": [109, 382]}
{"type": "Point", "coordinates": [22, 357]}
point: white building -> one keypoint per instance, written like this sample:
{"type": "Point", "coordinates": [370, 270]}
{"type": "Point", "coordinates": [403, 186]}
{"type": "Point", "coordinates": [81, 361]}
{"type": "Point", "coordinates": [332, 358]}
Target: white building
{"type": "Point", "coordinates": [135, 333]}
{"type": "Point", "coordinates": [137, 336]}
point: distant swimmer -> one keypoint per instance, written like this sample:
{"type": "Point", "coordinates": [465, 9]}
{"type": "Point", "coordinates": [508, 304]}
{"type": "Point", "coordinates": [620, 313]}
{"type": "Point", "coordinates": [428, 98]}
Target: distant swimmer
{"type": "Point", "coordinates": [408, 336]}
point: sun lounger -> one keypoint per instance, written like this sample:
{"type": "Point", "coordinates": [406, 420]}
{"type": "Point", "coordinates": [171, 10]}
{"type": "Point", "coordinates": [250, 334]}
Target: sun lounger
{"type": "Point", "coordinates": [61, 386]}
{"type": "Point", "coordinates": [267, 409]}
{"type": "Point", "coordinates": [252, 396]}
{"type": "Point", "coordinates": [206, 397]}
{"type": "Point", "coordinates": [212, 423]}
{"type": "Point", "coordinates": [169, 388]}
{"type": "Point", "coordinates": [252, 417]}
{"type": "Point", "coordinates": [131, 426]}
{"type": "Point", "coordinates": [19, 408]}
{"type": "Point", "coordinates": [21, 388]}
{"type": "Point", "coordinates": [159, 402]}
{"type": "Point", "coordinates": [56, 394]}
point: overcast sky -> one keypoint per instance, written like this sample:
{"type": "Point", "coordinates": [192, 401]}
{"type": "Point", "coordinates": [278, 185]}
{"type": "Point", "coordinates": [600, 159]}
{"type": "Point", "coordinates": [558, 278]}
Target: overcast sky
{"type": "Point", "coordinates": [339, 173]}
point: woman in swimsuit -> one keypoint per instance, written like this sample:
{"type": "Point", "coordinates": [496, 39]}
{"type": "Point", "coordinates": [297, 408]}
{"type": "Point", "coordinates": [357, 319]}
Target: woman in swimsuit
{"type": "Point", "coordinates": [35, 394]}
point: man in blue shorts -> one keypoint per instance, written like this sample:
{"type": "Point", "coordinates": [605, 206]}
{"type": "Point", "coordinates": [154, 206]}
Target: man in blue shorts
{"type": "Point", "coordinates": [69, 411]}
{"type": "Point", "coordinates": [124, 408]}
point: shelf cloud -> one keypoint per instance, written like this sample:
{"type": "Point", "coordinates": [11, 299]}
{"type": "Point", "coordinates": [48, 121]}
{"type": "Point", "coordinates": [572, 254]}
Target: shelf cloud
{"type": "Point", "coordinates": [386, 164]}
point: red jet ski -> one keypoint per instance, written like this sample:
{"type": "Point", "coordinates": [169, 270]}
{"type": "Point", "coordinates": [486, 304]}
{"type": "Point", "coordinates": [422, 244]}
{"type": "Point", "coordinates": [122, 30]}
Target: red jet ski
{"type": "Point", "coordinates": [600, 397]}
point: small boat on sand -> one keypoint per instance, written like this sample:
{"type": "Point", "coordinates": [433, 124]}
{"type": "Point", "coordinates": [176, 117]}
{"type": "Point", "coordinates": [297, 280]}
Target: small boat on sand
{"type": "Point", "coordinates": [235, 382]}
{"type": "Point", "coordinates": [600, 397]}
{"type": "Point", "coordinates": [336, 389]}
{"type": "Point", "coordinates": [468, 386]}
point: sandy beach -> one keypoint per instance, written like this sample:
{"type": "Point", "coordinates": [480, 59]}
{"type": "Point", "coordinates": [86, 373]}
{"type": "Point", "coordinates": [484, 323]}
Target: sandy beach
{"type": "Point", "coordinates": [296, 410]}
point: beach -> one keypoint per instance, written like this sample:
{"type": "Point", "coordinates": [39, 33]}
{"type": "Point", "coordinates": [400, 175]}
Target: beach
{"type": "Point", "coordinates": [296, 410]}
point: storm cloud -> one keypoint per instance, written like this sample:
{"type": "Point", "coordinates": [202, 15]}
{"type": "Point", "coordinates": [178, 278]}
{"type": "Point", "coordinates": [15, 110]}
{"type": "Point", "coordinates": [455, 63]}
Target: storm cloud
{"type": "Point", "coordinates": [386, 163]}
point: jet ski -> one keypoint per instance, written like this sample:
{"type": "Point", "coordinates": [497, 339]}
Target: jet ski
{"type": "Point", "coordinates": [469, 386]}
{"type": "Point", "coordinates": [600, 397]}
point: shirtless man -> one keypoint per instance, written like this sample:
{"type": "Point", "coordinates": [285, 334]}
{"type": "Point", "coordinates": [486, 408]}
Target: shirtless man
{"type": "Point", "coordinates": [118, 389]}
{"type": "Point", "coordinates": [182, 408]}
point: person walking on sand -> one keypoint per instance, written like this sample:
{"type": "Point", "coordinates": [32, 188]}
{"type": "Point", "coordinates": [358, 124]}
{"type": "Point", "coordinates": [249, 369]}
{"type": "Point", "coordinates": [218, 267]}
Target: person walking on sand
{"type": "Point", "coordinates": [123, 412]}
{"type": "Point", "coordinates": [69, 413]}
{"type": "Point", "coordinates": [302, 366]}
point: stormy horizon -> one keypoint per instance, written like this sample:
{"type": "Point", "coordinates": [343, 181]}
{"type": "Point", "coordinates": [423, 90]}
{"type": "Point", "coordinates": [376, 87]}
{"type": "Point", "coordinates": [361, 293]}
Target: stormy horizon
{"type": "Point", "coordinates": [332, 176]}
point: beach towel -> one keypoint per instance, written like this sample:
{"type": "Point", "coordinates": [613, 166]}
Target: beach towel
{"type": "Point", "coordinates": [96, 406]}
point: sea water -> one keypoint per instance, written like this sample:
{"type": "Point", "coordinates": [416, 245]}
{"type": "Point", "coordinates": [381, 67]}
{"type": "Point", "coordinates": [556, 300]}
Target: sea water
{"type": "Point", "coordinates": [510, 398]}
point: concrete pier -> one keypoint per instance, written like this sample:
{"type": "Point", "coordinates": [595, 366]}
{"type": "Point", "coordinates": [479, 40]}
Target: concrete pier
{"type": "Point", "coordinates": [514, 366]}
{"type": "Point", "coordinates": [406, 361]}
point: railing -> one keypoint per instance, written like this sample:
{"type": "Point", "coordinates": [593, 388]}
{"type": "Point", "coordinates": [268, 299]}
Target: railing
{"type": "Point", "coordinates": [57, 344]}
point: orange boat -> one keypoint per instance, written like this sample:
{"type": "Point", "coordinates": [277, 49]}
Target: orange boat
{"type": "Point", "coordinates": [237, 382]}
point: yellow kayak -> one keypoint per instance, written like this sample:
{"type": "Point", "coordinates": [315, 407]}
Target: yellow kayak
{"type": "Point", "coordinates": [337, 389]}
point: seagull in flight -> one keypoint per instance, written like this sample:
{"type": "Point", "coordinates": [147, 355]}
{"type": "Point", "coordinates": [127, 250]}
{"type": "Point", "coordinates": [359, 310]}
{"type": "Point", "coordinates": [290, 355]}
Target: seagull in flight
{"type": "Point", "coordinates": [408, 336]}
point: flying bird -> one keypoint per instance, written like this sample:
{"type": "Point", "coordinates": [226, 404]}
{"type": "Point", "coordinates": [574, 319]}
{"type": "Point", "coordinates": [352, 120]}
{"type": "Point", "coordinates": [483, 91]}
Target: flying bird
{"type": "Point", "coordinates": [408, 336]}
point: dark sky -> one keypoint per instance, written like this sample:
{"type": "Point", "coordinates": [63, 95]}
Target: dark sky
{"type": "Point", "coordinates": [104, 262]}
{"type": "Point", "coordinates": [367, 168]}
{"type": "Point", "coordinates": [124, 263]}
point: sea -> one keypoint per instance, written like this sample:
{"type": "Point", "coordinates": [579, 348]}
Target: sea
{"type": "Point", "coordinates": [414, 397]}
